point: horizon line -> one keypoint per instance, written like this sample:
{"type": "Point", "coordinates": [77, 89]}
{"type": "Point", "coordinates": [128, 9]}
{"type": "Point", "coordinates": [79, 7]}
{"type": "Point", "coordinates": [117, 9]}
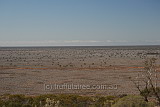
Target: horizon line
{"type": "Point", "coordinates": [78, 46]}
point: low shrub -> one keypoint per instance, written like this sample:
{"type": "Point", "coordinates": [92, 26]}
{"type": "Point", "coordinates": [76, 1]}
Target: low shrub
{"type": "Point", "coordinates": [132, 101]}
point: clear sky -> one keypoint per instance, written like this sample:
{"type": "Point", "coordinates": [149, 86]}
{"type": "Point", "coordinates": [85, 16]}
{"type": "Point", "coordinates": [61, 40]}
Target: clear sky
{"type": "Point", "coordinates": [79, 22]}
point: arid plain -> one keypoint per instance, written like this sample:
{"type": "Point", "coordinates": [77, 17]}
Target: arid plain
{"type": "Point", "coordinates": [27, 70]}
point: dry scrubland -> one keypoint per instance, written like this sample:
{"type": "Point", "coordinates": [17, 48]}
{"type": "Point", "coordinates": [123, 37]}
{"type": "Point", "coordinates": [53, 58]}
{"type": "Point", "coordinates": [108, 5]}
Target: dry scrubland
{"type": "Point", "coordinates": [26, 70]}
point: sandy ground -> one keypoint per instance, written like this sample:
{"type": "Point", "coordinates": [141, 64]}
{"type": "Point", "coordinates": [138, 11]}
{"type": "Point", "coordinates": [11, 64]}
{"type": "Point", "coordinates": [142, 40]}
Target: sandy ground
{"type": "Point", "coordinates": [33, 71]}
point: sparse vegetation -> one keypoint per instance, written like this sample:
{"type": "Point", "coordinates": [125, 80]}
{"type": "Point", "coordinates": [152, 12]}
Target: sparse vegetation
{"type": "Point", "coordinates": [146, 83]}
{"type": "Point", "coordinates": [50, 100]}
{"type": "Point", "coordinates": [104, 65]}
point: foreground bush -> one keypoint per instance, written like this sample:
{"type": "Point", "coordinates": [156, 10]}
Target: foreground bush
{"type": "Point", "coordinates": [133, 101]}
{"type": "Point", "coordinates": [72, 101]}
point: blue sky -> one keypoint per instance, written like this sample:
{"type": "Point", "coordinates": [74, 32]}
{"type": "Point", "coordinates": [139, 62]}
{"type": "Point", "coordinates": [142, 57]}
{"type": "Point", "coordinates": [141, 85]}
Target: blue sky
{"type": "Point", "coordinates": [79, 22]}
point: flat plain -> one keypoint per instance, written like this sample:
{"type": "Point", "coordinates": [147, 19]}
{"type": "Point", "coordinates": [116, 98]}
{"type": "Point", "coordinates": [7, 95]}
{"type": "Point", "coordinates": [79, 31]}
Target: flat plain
{"type": "Point", "coordinates": [27, 70]}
